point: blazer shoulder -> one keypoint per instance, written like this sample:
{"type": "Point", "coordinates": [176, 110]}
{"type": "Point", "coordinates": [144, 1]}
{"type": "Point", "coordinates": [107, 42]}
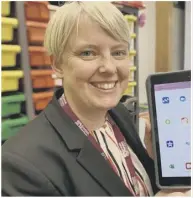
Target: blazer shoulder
{"type": "Point", "coordinates": [37, 147]}
{"type": "Point", "coordinates": [18, 174]}
{"type": "Point", "coordinates": [37, 134]}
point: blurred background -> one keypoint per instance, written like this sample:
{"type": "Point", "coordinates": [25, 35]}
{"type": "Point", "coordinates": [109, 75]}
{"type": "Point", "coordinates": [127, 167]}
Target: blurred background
{"type": "Point", "coordinates": [160, 41]}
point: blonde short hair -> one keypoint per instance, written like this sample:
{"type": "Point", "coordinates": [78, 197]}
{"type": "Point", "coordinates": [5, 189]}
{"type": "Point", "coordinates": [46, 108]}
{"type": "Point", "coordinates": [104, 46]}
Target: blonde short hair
{"type": "Point", "coordinates": [66, 18]}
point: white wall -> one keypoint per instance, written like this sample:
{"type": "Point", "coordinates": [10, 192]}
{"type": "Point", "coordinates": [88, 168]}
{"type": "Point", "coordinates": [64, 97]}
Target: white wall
{"type": "Point", "coordinates": [147, 41]}
{"type": "Point", "coordinates": [147, 48]}
{"type": "Point", "coordinates": [177, 36]}
{"type": "Point", "coordinates": [187, 49]}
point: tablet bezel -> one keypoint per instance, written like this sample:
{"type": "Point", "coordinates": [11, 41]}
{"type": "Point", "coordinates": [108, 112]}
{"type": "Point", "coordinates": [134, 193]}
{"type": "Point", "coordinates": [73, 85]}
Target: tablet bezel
{"type": "Point", "coordinates": [164, 78]}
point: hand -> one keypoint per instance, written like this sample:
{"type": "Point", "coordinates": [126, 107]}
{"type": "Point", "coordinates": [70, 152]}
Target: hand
{"type": "Point", "coordinates": [149, 147]}
{"type": "Point", "coordinates": [148, 136]}
{"type": "Point", "coordinates": [188, 193]}
{"type": "Point", "coordinates": [173, 193]}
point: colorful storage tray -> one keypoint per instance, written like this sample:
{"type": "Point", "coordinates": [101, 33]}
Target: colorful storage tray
{"type": "Point", "coordinates": [38, 56]}
{"type": "Point", "coordinates": [132, 72]}
{"type": "Point", "coordinates": [42, 99]}
{"type": "Point", "coordinates": [37, 11]}
{"type": "Point", "coordinates": [11, 127]}
{"type": "Point", "coordinates": [12, 104]}
{"type": "Point", "coordinates": [10, 80]}
{"type": "Point", "coordinates": [133, 68]}
{"type": "Point", "coordinates": [35, 32]}
{"type": "Point", "coordinates": [9, 53]}
{"type": "Point", "coordinates": [42, 79]}
{"type": "Point", "coordinates": [132, 53]}
{"type": "Point", "coordinates": [130, 89]}
{"type": "Point", "coordinates": [5, 8]}
{"type": "Point", "coordinates": [133, 36]}
{"type": "Point", "coordinates": [130, 18]}
{"type": "Point", "coordinates": [131, 4]}
{"type": "Point", "coordinates": [8, 25]}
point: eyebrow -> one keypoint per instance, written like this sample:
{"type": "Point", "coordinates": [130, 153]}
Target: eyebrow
{"type": "Point", "coordinates": [96, 46]}
{"type": "Point", "coordinates": [119, 46]}
{"type": "Point", "coordinates": [86, 46]}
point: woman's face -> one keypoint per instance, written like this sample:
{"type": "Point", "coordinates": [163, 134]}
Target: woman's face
{"type": "Point", "coordinates": [95, 67]}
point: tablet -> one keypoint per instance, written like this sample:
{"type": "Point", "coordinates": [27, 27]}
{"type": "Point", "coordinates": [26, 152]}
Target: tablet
{"type": "Point", "coordinates": [169, 100]}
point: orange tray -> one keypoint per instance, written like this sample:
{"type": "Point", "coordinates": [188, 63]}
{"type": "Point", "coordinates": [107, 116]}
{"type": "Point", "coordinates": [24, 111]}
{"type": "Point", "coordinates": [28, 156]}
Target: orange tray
{"type": "Point", "coordinates": [36, 32]}
{"type": "Point", "coordinates": [42, 99]}
{"type": "Point", "coordinates": [38, 56]}
{"type": "Point", "coordinates": [42, 79]}
{"type": "Point", "coordinates": [134, 4]}
{"type": "Point", "coordinates": [37, 11]}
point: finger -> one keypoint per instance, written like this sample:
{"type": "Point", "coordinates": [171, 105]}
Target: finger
{"type": "Point", "coordinates": [147, 127]}
{"type": "Point", "coordinates": [188, 193]}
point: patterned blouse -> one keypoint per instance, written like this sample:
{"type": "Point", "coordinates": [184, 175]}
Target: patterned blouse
{"type": "Point", "coordinates": [105, 137]}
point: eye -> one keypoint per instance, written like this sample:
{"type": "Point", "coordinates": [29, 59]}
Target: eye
{"type": "Point", "coordinates": [119, 53]}
{"type": "Point", "coordinates": [88, 53]}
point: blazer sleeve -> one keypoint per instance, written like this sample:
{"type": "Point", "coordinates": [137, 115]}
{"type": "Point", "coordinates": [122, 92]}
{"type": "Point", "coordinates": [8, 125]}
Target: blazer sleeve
{"type": "Point", "coordinates": [22, 178]}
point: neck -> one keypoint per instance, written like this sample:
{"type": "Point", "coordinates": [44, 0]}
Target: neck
{"type": "Point", "coordinates": [90, 117]}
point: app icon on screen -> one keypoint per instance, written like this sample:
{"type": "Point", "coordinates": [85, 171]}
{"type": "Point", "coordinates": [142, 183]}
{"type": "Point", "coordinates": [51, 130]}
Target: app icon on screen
{"type": "Point", "coordinates": [188, 165]}
{"type": "Point", "coordinates": [167, 121]}
{"type": "Point", "coordinates": [182, 98]}
{"type": "Point", "coordinates": [165, 100]}
{"type": "Point", "coordinates": [170, 143]}
{"type": "Point", "coordinates": [184, 120]}
{"type": "Point", "coordinates": [172, 166]}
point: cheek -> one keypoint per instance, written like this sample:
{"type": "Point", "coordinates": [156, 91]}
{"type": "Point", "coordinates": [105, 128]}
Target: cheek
{"type": "Point", "coordinates": [81, 70]}
{"type": "Point", "coordinates": [124, 71]}
{"type": "Point", "coordinates": [125, 85]}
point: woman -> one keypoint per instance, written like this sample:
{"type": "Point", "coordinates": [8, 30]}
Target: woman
{"type": "Point", "coordinates": [84, 142]}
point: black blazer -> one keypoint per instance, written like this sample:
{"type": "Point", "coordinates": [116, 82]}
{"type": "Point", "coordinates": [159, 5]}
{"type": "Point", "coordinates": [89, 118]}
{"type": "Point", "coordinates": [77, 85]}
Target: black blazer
{"type": "Point", "coordinates": [50, 156]}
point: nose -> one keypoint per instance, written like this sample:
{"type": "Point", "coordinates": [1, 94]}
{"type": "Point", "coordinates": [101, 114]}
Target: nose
{"type": "Point", "coordinates": [107, 66]}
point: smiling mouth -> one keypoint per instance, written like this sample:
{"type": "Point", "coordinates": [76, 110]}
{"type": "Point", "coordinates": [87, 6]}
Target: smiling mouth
{"type": "Point", "coordinates": [104, 85]}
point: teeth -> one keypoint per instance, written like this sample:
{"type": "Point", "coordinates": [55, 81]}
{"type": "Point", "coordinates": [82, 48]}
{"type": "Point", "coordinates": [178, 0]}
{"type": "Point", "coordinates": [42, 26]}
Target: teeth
{"type": "Point", "coordinates": [105, 86]}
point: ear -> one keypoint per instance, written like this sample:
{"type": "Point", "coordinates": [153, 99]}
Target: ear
{"type": "Point", "coordinates": [56, 68]}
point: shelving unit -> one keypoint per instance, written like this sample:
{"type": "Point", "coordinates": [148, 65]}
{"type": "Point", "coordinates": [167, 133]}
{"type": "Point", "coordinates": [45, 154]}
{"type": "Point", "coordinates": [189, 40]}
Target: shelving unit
{"type": "Point", "coordinates": [22, 38]}
{"type": "Point", "coordinates": [13, 94]}
{"type": "Point", "coordinates": [131, 95]}
{"type": "Point", "coordinates": [24, 87]}
{"type": "Point", "coordinates": [33, 61]}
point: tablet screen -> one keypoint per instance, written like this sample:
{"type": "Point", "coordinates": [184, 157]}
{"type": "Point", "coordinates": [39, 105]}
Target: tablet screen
{"type": "Point", "coordinates": [173, 122]}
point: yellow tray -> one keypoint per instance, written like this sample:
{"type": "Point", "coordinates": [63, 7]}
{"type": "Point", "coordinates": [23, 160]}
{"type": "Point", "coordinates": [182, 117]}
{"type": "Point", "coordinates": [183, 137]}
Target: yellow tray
{"type": "Point", "coordinates": [131, 73]}
{"type": "Point", "coordinates": [132, 53]}
{"type": "Point", "coordinates": [10, 80]}
{"type": "Point", "coordinates": [133, 36]}
{"type": "Point", "coordinates": [9, 53]}
{"type": "Point", "coordinates": [132, 84]}
{"type": "Point", "coordinates": [129, 90]}
{"type": "Point", "coordinates": [5, 8]}
{"type": "Point", "coordinates": [8, 24]}
{"type": "Point", "coordinates": [130, 18]}
{"type": "Point", "coordinates": [132, 68]}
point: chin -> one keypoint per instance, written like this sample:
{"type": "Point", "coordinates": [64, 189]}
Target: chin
{"type": "Point", "coordinates": [107, 104]}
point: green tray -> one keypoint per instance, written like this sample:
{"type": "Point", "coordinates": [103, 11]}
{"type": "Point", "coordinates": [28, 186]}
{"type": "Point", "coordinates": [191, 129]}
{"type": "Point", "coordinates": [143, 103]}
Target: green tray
{"type": "Point", "coordinates": [11, 126]}
{"type": "Point", "coordinates": [12, 104]}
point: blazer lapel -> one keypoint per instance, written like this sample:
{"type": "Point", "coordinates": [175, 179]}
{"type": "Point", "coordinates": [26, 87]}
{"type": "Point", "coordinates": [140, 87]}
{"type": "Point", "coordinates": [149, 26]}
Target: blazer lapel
{"type": "Point", "coordinates": [88, 156]}
{"type": "Point", "coordinates": [99, 168]}
{"type": "Point", "coordinates": [124, 122]}
{"type": "Point", "coordinates": [123, 119]}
